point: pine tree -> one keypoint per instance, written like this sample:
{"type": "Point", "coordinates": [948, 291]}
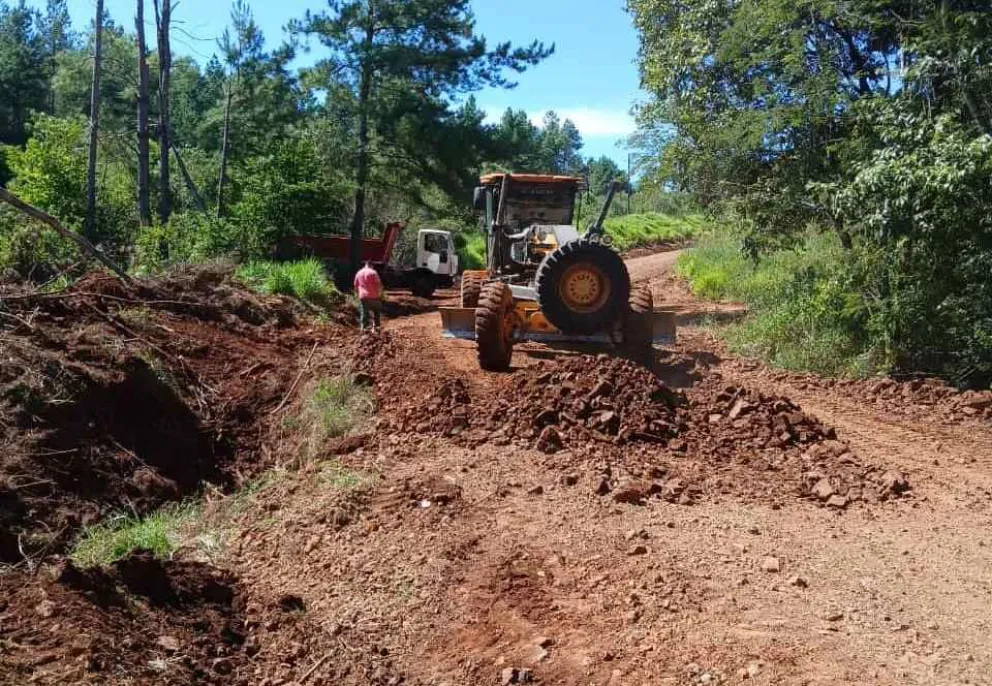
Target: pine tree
{"type": "Point", "coordinates": [402, 60]}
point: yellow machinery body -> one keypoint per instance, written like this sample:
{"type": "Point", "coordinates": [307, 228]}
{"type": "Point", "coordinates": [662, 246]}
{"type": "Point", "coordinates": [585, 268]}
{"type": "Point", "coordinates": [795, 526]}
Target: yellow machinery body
{"type": "Point", "coordinates": [530, 324]}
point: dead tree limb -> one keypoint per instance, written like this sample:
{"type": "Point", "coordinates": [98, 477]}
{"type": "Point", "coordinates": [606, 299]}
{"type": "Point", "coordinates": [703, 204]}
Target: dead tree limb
{"type": "Point", "coordinates": [47, 219]}
{"type": "Point", "coordinates": [190, 184]}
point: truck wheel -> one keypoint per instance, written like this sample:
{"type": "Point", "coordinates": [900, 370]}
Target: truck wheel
{"type": "Point", "coordinates": [422, 286]}
{"type": "Point", "coordinates": [472, 282]}
{"type": "Point", "coordinates": [494, 327]}
{"type": "Point", "coordinates": [583, 287]}
{"type": "Point", "coordinates": [638, 326]}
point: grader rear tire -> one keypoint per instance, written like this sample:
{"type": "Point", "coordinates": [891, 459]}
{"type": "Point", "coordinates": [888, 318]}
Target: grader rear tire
{"type": "Point", "coordinates": [494, 327]}
{"type": "Point", "coordinates": [472, 288]}
{"type": "Point", "coordinates": [638, 326]}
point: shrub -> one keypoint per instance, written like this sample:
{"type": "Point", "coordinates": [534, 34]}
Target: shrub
{"type": "Point", "coordinates": [188, 238]}
{"type": "Point", "coordinates": [50, 173]}
{"type": "Point", "coordinates": [31, 250]}
{"type": "Point", "coordinates": [919, 209]}
{"type": "Point", "coordinates": [471, 247]}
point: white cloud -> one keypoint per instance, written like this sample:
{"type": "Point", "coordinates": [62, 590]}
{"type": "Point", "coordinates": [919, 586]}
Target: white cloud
{"type": "Point", "coordinates": [594, 122]}
{"type": "Point", "coordinates": [591, 121]}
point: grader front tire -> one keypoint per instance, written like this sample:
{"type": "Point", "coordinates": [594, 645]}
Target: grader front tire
{"type": "Point", "coordinates": [494, 327]}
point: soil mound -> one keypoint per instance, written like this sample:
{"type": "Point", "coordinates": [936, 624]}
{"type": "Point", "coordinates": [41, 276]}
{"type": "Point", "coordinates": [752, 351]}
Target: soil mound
{"type": "Point", "coordinates": [552, 406]}
{"type": "Point", "coordinates": [927, 397]}
{"type": "Point", "coordinates": [743, 435]}
{"type": "Point", "coordinates": [116, 397]}
{"type": "Point", "coordinates": [140, 620]}
{"type": "Point", "coordinates": [615, 418]}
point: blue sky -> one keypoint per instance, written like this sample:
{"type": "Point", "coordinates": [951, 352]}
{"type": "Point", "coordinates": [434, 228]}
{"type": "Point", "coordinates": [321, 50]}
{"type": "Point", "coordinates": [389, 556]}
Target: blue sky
{"type": "Point", "coordinates": [591, 78]}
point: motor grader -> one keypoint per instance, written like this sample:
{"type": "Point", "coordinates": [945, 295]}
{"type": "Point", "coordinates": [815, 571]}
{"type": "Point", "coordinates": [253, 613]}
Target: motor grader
{"type": "Point", "coordinates": [544, 281]}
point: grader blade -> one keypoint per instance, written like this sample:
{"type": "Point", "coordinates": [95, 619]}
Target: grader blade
{"type": "Point", "coordinates": [459, 322]}
{"type": "Point", "coordinates": [665, 327]}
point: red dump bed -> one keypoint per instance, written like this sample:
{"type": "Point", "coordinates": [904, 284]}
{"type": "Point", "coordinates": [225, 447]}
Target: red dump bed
{"type": "Point", "coordinates": [378, 250]}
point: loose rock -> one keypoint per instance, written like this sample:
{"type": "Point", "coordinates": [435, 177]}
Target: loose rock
{"type": "Point", "coordinates": [772, 565]}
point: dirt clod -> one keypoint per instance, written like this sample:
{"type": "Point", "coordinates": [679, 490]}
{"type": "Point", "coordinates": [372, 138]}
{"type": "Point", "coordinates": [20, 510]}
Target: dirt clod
{"type": "Point", "coordinates": [772, 565]}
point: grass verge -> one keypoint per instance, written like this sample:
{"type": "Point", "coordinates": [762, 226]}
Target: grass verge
{"type": "Point", "coordinates": [305, 280]}
{"type": "Point", "coordinates": [804, 312]}
{"type": "Point", "coordinates": [160, 532]}
{"type": "Point", "coordinates": [639, 230]}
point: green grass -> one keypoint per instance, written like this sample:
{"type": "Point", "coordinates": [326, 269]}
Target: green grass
{"type": "Point", "coordinates": [160, 532]}
{"type": "Point", "coordinates": [805, 313]}
{"type": "Point", "coordinates": [305, 280]}
{"type": "Point", "coordinates": [341, 478]}
{"type": "Point", "coordinates": [639, 230]}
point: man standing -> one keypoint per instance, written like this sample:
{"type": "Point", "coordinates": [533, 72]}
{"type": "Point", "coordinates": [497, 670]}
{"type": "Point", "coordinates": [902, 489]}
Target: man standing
{"type": "Point", "coordinates": [368, 285]}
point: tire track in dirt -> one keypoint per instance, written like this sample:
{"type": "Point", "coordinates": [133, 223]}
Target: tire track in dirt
{"type": "Point", "coordinates": [908, 584]}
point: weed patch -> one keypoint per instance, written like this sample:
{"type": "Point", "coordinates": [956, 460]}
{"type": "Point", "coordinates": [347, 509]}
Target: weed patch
{"type": "Point", "coordinates": [160, 532]}
{"type": "Point", "coordinates": [304, 280]}
{"type": "Point", "coordinates": [340, 477]}
{"type": "Point", "coordinates": [334, 407]}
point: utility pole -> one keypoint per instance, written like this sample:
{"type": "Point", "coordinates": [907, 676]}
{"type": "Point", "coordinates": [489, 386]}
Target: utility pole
{"type": "Point", "coordinates": [630, 172]}
{"type": "Point", "coordinates": [90, 225]}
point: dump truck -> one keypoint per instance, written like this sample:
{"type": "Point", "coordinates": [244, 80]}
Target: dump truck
{"type": "Point", "coordinates": [544, 281]}
{"type": "Point", "coordinates": [435, 265]}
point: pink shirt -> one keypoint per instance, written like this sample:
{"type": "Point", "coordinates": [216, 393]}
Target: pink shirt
{"type": "Point", "coordinates": [368, 284]}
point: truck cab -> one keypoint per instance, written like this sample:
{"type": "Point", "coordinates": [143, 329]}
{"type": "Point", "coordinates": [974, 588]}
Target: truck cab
{"type": "Point", "coordinates": [436, 252]}
{"type": "Point", "coordinates": [436, 260]}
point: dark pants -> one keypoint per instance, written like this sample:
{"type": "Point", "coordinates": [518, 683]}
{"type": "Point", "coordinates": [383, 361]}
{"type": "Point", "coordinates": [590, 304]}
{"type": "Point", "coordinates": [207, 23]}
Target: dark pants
{"type": "Point", "coordinates": [371, 309]}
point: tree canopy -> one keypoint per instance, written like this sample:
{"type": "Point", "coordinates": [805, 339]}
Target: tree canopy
{"type": "Point", "coordinates": [288, 143]}
{"type": "Point", "coordinates": [868, 118]}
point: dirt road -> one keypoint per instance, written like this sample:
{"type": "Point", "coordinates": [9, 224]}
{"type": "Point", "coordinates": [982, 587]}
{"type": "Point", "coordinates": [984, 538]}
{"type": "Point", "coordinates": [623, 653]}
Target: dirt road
{"type": "Point", "coordinates": [580, 520]}
{"type": "Point", "coordinates": [475, 558]}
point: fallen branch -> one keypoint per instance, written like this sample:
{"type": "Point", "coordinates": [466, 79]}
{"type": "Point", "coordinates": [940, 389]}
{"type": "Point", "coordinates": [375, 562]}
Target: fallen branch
{"type": "Point", "coordinates": [315, 667]}
{"type": "Point", "coordinates": [299, 377]}
{"type": "Point", "coordinates": [51, 221]}
{"type": "Point", "coordinates": [23, 322]}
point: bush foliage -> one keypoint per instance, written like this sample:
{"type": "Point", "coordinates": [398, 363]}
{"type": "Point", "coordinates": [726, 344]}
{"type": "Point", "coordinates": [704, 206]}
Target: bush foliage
{"type": "Point", "coordinates": [805, 312]}
{"type": "Point", "coordinates": [869, 121]}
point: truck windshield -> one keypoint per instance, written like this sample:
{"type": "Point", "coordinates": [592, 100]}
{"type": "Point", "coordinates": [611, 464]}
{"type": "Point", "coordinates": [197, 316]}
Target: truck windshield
{"type": "Point", "coordinates": [435, 242]}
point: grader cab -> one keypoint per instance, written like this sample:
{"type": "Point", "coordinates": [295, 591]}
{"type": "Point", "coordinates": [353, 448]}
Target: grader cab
{"type": "Point", "coordinates": [545, 281]}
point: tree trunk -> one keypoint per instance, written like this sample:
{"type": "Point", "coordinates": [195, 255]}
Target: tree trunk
{"type": "Point", "coordinates": [362, 175]}
{"type": "Point", "coordinates": [224, 151]}
{"type": "Point", "coordinates": [90, 225]}
{"type": "Point", "coordinates": [162, 20]}
{"type": "Point", "coordinates": [190, 184]}
{"type": "Point", "coordinates": [144, 165]}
